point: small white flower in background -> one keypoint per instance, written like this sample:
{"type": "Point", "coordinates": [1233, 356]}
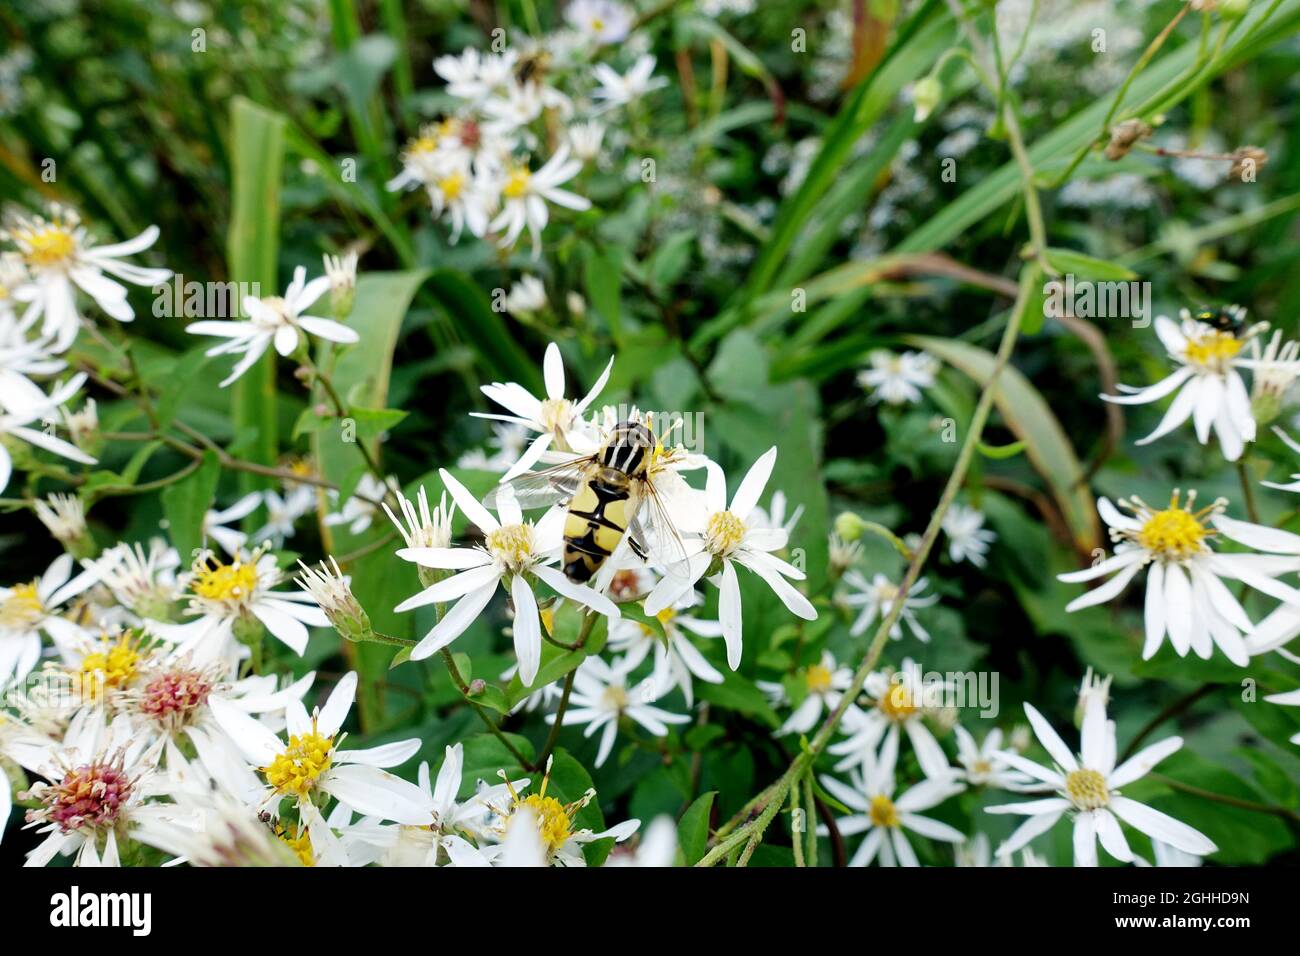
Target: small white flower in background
{"type": "Point", "coordinates": [277, 320]}
{"type": "Point", "coordinates": [1210, 389]}
{"type": "Point", "coordinates": [525, 193]}
{"type": "Point", "coordinates": [728, 537]}
{"type": "Point", "coordinates": [514, 551]}
{"type": "Point", "coordinates": [310, 764]}
{"type": "Point", "coordinates": [557, 419]}
{"type": "Point", "coordinates": [82, 425]}
{"type": "Point", "coordinates": [62, 258]}
{"type": "Point", "coordinates": [1089, 786]}
{"type": "Point", "coordinates": [658, 848]}
{"type": "Point", "coordinates": [898, 379]}
{"type": "Point", "coordinates": [585, 140]}
{"type": "Point", "coordinates": [676, 659]}
{"type": "Point", "coordinates": [1288, 699]}
{"type": "Point", "coordinates": [360, 510]}
{"type": "Point", "coordinates": [1185, 597]}
{"type": "Point", "coordinates": [16, 427]}
{"type": "Point", "coordinates": [876, 599]}
{"type": "Point", "coordinates": [901, 700]}
{"type": "Point", "coordinates": [774, 515]}
{"type": "Point", "coordinates": [620, 90]}
{"type": "Point", "coordinates": [1273, 372]}
{"type": "Point", "coordinates": [968, 539]}
{"type": "Point", "coordinates": [601, 698]}
{"type": "Point", "coordinates": [602, 21]}
{"type": "Point", "coordinates": [982, 765]}
{"type": "Point", "coordinates": [342, 273]}
{"type": "Point", "coordinates": [143, 582]}
{"type": "Point", "coordinates": [883, 817]}
{"type": "Point", "coordinates": [20, 359]}
{"type": "Point", "coordinates": [64, 516]}
{"type": "Point", "coordinates": [508, 443]}
{"type": "Point", "coordinates": [223, 596]}
{"type": "Point", "coordinates": [842, 555]}
{"type": "Point", "coordinates": [526, 297]}
{"type": "Point", "coordinates": [30, 609]}
{"type": "Point", "coordinates": [215, 522]}
{"type": "Point", "coordinates": [422, 526]}
{"type": "Point", "coordinates": [826, 682]}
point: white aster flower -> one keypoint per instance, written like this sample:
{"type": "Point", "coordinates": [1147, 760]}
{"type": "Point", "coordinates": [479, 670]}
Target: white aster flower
{"type": "Point", "coordinates": [278, 320]}
{"type": "Point", "coordinates": [585, 140]}
{"type": "Point", "coordinates": [62, 258]}
{"type": "Point", "coordinates": [982, 764]}
{"type": "Point", "coordinates": [64, 516]}
{"type": "Point", "coordinates": [825, 683]}
{"type": "Point", "coordinates": [876, 599]}
{"type": "Point", "coordinates": [19, 360]}
{"type": "Point", "coordinates": [1089, 788]}
{"type": "Point", "coordinates": [620, 90]}
{"type": "Point", "coordinates": [728, 536]}
{"type": "Point", "coordinates": [514, 552]}
{"type": "Point", "coordinates": [360, 510]}
{"type": "Point", "coordinates": [1210, 389]}
{"type": "Point", "coordinates": [968, 539]}
{"type": "Point", "coordinates": [1185, 597]}
{"type": "Point", "coordinates": [422, 526]}
{"type": "Point", "coordinates": [215, 523]}
{"type": "Point", "coordinates": [601, 698]}
{"type": "Point", "coordinates": [15, 426]}
{"type": "Point", "coordinates": [28, 610]}
{"type": "Point", "coordinates": [526, 297]}
{"type": "Point", "coordinates": [557, 419]}
{"type": "Point", "coordinates": [310, 764]}
{"type": "Point", "coordinates": [901, 701]}
{"type": "Point", "coordinates": [658, 848]}
{"type": "Point", "coordinates": [525, 193]}
{"type": "Point", "coordinates": [898, 379]}
{"type": "Point", "coordinates": [601, 21]}
{"type": "Point", "coordinates": [676, 658]}
{"type": "Point", "coordinates": [883, 817]}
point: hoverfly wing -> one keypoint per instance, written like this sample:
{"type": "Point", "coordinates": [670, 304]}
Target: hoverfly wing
{"type": "Point", "coordinates": [538, 489]}
{"type": "Point", "coordinates": [669, 550]}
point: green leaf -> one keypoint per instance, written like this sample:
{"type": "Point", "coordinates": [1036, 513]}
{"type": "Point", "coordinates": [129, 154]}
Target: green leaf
{"type": "Point", "coordinates": [252, 247]}
{"type": "Point", "coordinates": [740, 694]}
{"type": "Point", "coordinates": [670, 260]}
{"type": "Point", "coordinates": [186, 502]}
{"type": "Point", "coordinates": [1000, 452]}
{"type": "Point", "coordinates": [1068, 261]}
{"type": "Point", "coordinates": [693, 829]}
{"type": "Point", "coordinates": [373, 422]}
{"type": "Point", "coordinates": [1029, 416]}
{"type": "Point", "coordinates": [602, 272]}
{"type": "Point", "coordinates": [496, 345]}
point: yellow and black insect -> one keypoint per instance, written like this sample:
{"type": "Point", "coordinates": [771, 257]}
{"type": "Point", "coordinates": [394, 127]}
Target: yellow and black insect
{"type": "Point", "coordinates": [608, 495]}
{"type": "Point", "coordinates": [532, 66]}
{"type": "Point", "coordinates": [1226, 318]}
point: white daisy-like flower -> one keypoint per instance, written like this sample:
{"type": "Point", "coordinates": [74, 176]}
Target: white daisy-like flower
{"type": "Point", "coordinates": [1185, 596]}
{"type": "Point", "coordinates": [726, 536]}
{"type": "Point", "coordinates": [226, 596]}
{"type": "Point", "coordinates": [968, 539]}
{"type": "Point", "coordinates": [526, 297]}
{"type": "Point", "coordinates": [282, 514]}
{"type": "Point", "coordinates": [311, 764]}
{"type": "Point", "coordinates": [883, 817]}
{"type": "Point", "coordinates": [62, 258]}
{"type": "Point", "coordinates": [617, 89]}
{"type": "Point", "coordinates": [1089, 787]}
{"type": "Point", "coordinates": [898, 379]}
{"type": "Point", "coordinates": [557, 420]}
{"type": "Point", "coordinates": [601, 21]}
{"type": "Point", "coordinates": [508, 443]}
{"type": "Point", "coordinates": [826, 681]}
{"type": "Point", "coordinates": [876, 599]}
{"type": "Point", "coordinates": [215, 523]}
{"type": "Point", "coordinates": [514, 552]}
{"type": "Point", "coordinates": [19, 360]}
{"type": "Point", "coordinates": [525, 194]}
{"type": "Point", "coordinates": [658, 848]}
{"type": "Point", "coordinates": [277, 320]}
{"type": "Point", "coordinates": [423, 527]}
{"type": "Point", "coordinates": [901, 701]}
{"type": "Point", "coordinates": [15, 426]}
{"type": "Point", "coordinates": [585, 140]}
{"type": "Point", "coordinates": [982, 764]}
{"type": "Point", "coordinates": [360, 510]}
{"type": "Point", "coordinates": [28, 610]}
{"type": "Point", "coordinates": [601, 698]}
{"type": "Point", "coordinates": [1210, 388]}
{"type": "Point", "coordinates": [676, 659]}
{"type": "Point", "coordinates": [64, 516]}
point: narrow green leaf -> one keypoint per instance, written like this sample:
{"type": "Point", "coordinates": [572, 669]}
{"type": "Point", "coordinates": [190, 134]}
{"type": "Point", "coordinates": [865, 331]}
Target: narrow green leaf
{"type": "Point", "coordinates": [693, 829]}
{"type": "Point", "coordinates": [186, 502]}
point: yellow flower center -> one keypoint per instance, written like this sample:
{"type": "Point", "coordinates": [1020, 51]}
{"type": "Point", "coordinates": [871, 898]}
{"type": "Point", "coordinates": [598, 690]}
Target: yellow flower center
{"type": "Point", "coordinates": [597, 24]}
{"type": "Point", "coordinates": [724, 533]}
{"type": "Point", "coordinates": [1174, 533]}
{"type": "Point", "coordinates": [897, 703]}
{"type": "Point", "coordinates": [22, 608]}
{"type": "Point", "coordinates": [225, 582]}
{"type": "Point", "coordinates": [300, 842]}
{"type": "Point", "coordinates": [512, 544]}
{"type": "Point", "coordinates": [615, 697]}
{"type": "Point", "coordinates": [1213, 348]}
{"type": "Point", "coordinates": [426, 142]}
{"type": "Point", "coordinates": [818, 679]}
{"type": "Point", "coordinates": [552, 820]}
{"type": "Point", "coordinates": [517, 182]}
{"type": "Point", "coordinates": [49, 245]}
{"type": "Point", "coordinates": [665, 618]}
{"type": "Point", "coordinates": [114, 664]}
{"type": "Point", "coordinates": [882, 811]}
{"type": "Point", "coordinates": [1087, 788]}
{"type": "Point", "coordinates": [452, 186]}
{"type": "Point", "coordinates": [556, 414]}
{"type": "Point", "coordinates": [296, 770]}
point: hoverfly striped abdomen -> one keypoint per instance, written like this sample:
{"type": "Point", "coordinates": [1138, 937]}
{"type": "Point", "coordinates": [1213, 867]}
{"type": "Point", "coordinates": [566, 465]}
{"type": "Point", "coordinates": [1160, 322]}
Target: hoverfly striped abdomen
{"type": "Point", "coordinates": [603, 507]}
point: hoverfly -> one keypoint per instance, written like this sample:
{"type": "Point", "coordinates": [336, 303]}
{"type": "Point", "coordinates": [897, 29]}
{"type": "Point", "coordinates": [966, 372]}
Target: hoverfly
{"type": "Point", "coordinates": [1227, 318]}
{"type": "Point", "coordinates": [608, 495]}
{"type": "Point", "coordinates": [532, 66]}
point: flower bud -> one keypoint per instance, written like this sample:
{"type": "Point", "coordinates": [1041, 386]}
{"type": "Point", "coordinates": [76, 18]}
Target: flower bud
{"type": "Point", "coordinates": [849, 527]}
{"type": "Point", "coordinates": [926, 94]}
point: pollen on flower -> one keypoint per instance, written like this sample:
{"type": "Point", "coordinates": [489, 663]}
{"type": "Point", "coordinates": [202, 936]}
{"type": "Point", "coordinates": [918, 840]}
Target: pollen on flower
{"type": "Point", "coordinates": [91, 796]}
{"type": "Point", "coordinates": [1177, 532]}
{"type": "Point", "coordinates": [615, 696]}
{"type": "Point", "coordinates": [115, 663]}
{"type": "Point", "coordinates": [556, 414]}
{"type": "Point", "coordinates": [296, 770]}
{"type": "Point", "coordinates": [724, 533]}
{"type": "Point", "coordinates": [553, 821]}
{"type": "Point", "coordinates": [818, 679]}
{"type": "Point", "coordinates": [175, 695]}
{"type": "Point", "coordinates": [1087, 788]}
{"type": "Point", "coordinates": [299, 841]}
{"type": "Point", "coordinates": [512, 544]}
{"type": "Point", "coordinates": [517, 182]}
{"type": "Point", "coordinates": [234, 582]}
{"type": "Point", "coordinates": [1213, 348]}
{"type": "Point", "coordinates": [897, 703]}
{"type": "Point", "coordinates": [882, 811]}
{"type": "Point", "coordinates": [22, 608]}
{"type": "Point", "coordinates": [452, 185]}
